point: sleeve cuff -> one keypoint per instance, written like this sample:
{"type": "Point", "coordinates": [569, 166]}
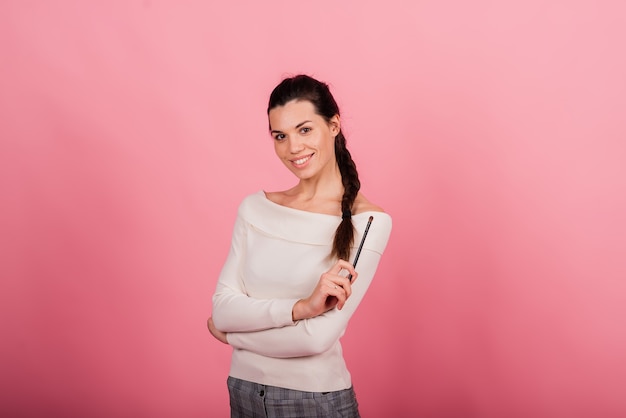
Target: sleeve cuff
{"type": "Point", "coordinates": [282, 312]}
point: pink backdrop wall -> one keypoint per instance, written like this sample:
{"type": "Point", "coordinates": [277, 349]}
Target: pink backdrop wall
{"type": "Point", "coordinates": [493, 132]}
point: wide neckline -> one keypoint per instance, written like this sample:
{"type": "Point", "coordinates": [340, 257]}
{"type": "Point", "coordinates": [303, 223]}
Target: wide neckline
{"type": "Point", "coordinates": [288, 208]}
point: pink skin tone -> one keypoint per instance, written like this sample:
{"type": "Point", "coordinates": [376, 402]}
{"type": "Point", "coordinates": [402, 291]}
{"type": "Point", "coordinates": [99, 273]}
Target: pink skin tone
{"type": "Point", "coordinates": [305, 142]}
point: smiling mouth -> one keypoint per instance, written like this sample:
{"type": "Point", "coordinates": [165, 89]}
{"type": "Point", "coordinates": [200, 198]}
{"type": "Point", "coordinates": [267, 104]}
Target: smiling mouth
{"type": "Point", "coordinates": [302, 160]}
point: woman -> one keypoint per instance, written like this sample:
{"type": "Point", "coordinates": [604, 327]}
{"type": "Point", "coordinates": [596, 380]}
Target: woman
{"type": "Point", "coordinates": [284, 296]}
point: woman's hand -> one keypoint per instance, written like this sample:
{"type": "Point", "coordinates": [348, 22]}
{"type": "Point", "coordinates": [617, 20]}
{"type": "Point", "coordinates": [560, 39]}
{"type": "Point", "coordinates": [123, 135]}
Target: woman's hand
{"type": "Point", "coordinates": [331, 291]}
{"type": "Point", "coordinates": [219, 335]}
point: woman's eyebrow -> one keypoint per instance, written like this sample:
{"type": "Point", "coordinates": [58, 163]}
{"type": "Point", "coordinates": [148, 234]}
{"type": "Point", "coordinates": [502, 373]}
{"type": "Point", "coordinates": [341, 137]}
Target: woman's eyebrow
{"type": "Point", "coordinates": [276, 131]}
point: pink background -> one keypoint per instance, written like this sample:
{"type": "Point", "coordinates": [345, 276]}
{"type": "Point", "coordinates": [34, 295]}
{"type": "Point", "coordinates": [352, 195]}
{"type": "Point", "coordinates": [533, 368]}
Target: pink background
{"type": "Point", "coordinates": [492, 132]}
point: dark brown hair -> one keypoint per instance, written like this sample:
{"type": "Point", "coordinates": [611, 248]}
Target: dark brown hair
{"type": "Point", "coordinates": [303, 87]}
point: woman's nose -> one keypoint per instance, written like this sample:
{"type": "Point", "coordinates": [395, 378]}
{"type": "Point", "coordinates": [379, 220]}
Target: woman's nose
{"type": "Point", "coordinates": [295, 145]}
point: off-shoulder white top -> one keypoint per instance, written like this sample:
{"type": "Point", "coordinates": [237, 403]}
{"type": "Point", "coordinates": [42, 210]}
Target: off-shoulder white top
{"type": "Point", "coordinates": [276, 257]}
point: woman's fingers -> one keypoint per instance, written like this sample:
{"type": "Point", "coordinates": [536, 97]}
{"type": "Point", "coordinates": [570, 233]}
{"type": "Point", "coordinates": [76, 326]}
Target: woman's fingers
{"type": "Point", "coordinates": [333, 290]}
{"type": "Point", "coordinates": [343, 265]}
{"type": "Point", "coordinates": [338, 285]}
{"type": "Point", "coordinates": [219, 335]}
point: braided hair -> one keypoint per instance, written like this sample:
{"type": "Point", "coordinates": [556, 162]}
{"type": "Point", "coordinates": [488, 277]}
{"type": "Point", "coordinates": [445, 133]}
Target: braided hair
{"type": "Point", "coordinates": [304, 87]}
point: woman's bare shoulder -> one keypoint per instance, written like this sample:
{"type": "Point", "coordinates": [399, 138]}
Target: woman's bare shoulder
{"type": "Point", "coordinates": [275, 197]}
{"type": "Point", "coordinates": [281, 197]}
{"type": "Point", "coordinates": [361, 204]}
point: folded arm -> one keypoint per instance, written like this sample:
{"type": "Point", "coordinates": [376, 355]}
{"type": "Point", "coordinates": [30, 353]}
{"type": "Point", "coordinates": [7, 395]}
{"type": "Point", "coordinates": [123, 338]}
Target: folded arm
{"type": "Point", "coordinates": [309, 336]}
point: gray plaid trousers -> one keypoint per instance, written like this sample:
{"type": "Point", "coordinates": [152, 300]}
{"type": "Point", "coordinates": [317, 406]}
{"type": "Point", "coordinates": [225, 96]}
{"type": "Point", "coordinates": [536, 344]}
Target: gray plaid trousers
{"type": "Point", "coordinates": [253, 400]}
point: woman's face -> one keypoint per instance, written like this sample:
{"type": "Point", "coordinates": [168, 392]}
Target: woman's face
{"type": "Point", "coordinates": [303, 140]}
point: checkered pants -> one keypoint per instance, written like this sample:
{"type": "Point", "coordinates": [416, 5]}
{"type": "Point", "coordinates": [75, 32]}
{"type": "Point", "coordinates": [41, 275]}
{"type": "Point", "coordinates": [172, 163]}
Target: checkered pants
{"type": "Point", "coordinates": [253, 400]}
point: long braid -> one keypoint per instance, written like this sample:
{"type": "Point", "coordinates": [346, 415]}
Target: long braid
{"type": "Point", "coordinates": [344, 235]}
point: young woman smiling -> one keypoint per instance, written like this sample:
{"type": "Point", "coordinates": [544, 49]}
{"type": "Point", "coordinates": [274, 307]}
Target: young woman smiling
{"type": "Point", "coordinates": [287, 289]}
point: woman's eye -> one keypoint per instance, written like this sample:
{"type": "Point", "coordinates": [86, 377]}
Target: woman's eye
{"type": "Point", "coordinates": [279, 137]}
{"type": "Point", "coordinates": [305, 130]}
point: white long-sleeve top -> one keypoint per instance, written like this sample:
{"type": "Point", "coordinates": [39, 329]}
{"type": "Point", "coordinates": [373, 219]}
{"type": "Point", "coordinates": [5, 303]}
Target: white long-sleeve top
{"type": "Point", "coordinates": [276, 257]}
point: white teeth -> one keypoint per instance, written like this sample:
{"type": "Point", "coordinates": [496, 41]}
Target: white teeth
{"type": "Point", "coordinates": [302, 160]}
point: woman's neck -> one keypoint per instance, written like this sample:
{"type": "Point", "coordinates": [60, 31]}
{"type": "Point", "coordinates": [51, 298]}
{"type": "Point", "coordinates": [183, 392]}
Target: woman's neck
{"type": "Point", "coordinates": [321, 194]}
{"type": "Point", "coordinates": [327, 185]}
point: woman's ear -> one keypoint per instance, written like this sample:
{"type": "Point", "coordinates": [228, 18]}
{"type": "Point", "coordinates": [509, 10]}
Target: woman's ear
{"type": "Point", "coordinates": [335, 125]}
